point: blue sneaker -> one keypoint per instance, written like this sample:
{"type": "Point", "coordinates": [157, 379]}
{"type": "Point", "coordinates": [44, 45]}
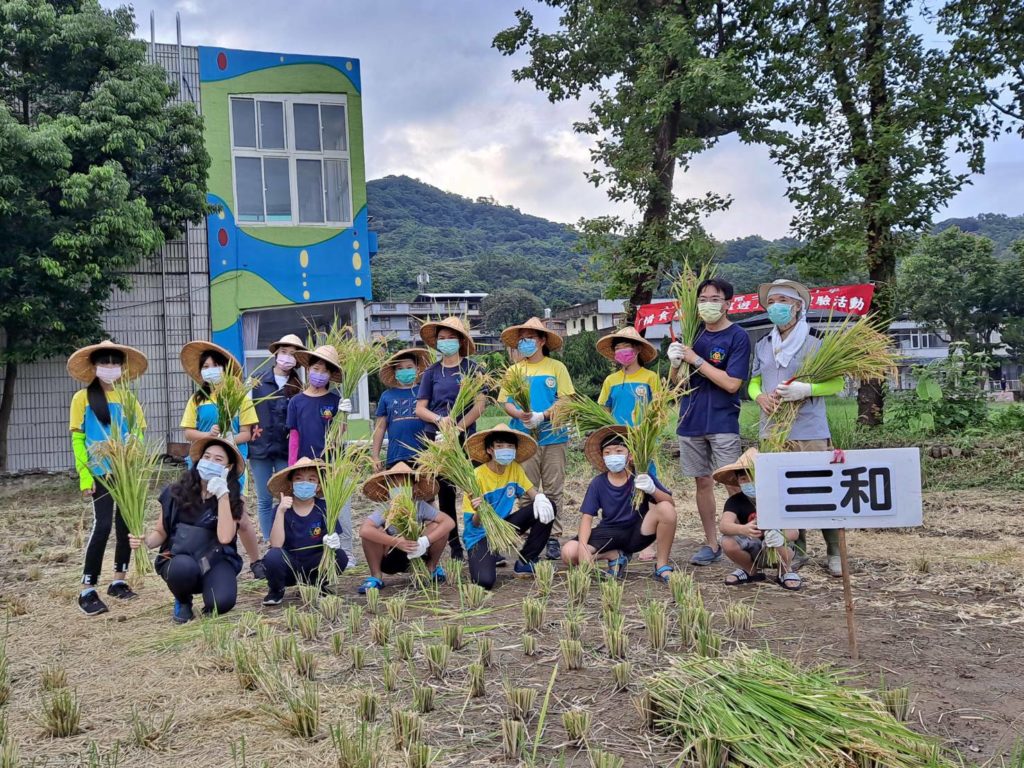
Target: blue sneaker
{"type": "Point", "coordinates": [182, 612]}
{"type": "Point", "coordinates": [522, 569]}
{"type": "Point", "coordinates": [554, 549]}
{"type": "Point", "coordinates": [439, 576]}
{"type": "Point", "coordinates": [371, 582]}
{"type": "Point", "coordinates": [706, 556]}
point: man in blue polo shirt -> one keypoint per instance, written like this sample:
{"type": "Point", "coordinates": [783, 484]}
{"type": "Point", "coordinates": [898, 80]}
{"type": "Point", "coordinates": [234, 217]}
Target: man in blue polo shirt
{"type": "Point", "coordinates": [709, 416]}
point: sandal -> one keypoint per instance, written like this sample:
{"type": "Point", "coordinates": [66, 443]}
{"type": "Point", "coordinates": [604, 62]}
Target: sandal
{"type": "Point", "coordinates": [791, 576]}
{"type": "Point", "coordinates": [371, 582]}
{"type": "Point", "coordinates": [662, 574]}
{"type": "Point", "coordinates": [617, 568]}
{"type": "Point", "coordinates": [740, 577]}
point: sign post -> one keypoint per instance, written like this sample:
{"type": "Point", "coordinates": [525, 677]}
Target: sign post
{"type": "Point", "coordinates": [868, 489]}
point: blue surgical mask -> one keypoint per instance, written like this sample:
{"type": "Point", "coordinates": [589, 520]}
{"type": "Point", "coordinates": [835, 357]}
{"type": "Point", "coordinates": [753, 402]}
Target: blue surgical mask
{"type": "Point", "coordinates": [527, 347]}
{"type": "Point", "coordinates": [303, 489]}
{"type": "Point", "coordinates": [780, 314]}
{"type": "Point", "coordinates": [448, 347]}
{"type": "Point", "coordinates": [504, 456]}
{"type": "Point", "coordinates": [212, 375]}
{"type": "Point", "coordinates": [615, 462]}
{"type": "Point", "coordinates": [209, 469]}
{"type": "Point", "coordinates": [405, 376]}
{"type": "Point", "coordinates": [749, 490]}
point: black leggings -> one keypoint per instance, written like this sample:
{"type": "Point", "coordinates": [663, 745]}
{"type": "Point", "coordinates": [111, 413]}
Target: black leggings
{"type": "Point", "coordinates": [219, 586]}
{"type": "Point", "coordinates": [483, 562]}
{"type": "Point", "coordinates": [447, 498]}
{"type": "Point", "coordinates": [104, 517]}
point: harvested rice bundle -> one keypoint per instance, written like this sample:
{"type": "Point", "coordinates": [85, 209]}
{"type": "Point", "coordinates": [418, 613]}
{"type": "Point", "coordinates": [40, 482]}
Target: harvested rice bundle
{"type": "Point", "coordinates": [582, 414]}
{"type": "Point", "coordinates": [684, 288]}
{"type": "Point", "coordinates": [346, 468]}
{"type": "Point", "coordinates": [644, 438]}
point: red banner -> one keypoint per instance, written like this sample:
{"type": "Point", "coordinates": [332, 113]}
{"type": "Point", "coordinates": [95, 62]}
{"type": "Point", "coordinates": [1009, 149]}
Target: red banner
{"type": "Point", "coordinates": [844, 299]}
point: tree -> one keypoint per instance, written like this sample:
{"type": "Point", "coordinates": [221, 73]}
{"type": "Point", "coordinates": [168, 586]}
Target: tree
{"type": "Point", "coordinates": [509, 306]}
{"type": "Point", "coordinates": [97, 168]}
{"type": "Point", "coordinates": [587, 369]}
{"type": "Point", "coordinates": [668, 80]}
{"type": "Point", "coordinates": [860, 115]}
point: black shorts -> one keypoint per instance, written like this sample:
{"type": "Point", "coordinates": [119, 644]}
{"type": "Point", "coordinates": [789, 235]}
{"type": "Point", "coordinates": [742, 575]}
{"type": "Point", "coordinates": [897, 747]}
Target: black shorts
{"type": "Point", "coordinates": [395, 561]}
{"type": "Point", "coordinates": [627, 539]}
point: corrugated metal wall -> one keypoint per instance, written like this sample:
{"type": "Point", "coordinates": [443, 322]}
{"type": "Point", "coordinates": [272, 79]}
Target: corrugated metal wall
{"type": "Point", "coordinates": [168, 305]}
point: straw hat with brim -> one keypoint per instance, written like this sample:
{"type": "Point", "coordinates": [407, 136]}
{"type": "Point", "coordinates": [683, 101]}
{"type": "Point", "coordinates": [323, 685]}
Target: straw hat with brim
{"type": "Point", "coordinates": [327, 354]}
{"type": "Point", "coordinates": [199, 448]}
{"type": "Point", "coordinates": [526, 446]}
{"type": "Point", "coordinates": [288, 340]}
{"type": "Point", "coordinates": [765, 288]}
{"type": "Point", "coordinates": [428, 332]}
{"type": "Point", "coordinates": [376, 488]}
{"type": "Point", "coordinates": [606, 345]}
{"type": "Point", "coordinates": [727, 475]}
{"type": "Point", "coordinates": [280, 483]}
{"type": "Point", "coordinates": [594, 444]}
{"type": "Point", "coordinates": [417, 355]}
{"type": "Point", "coordinates": [510, 336]}
{"type": "Point", "coordinates": [82, 369]}
{"type": "Point", "coordinates": [193, 352]}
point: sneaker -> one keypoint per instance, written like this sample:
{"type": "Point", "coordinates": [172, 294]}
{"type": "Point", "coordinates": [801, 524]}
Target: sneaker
{"type": "Point", "coordinates": [554, 550]}
{"type": "Point", "coordinates": [121, 590]}
{"type": "Point", "coordinates": [182, 612]}
{"type": "Point", "coordinates": [523, 569]}
{"type": "Point", "coordinates": [258, 570]}
{"type": "Point", "coordinates": [439, 576]}
{"type": "Point", "coordinates": [706, 556]}
{"type": "Point", "coordinates": [370, 582]}
{"type": "Point", "coordinates": [274, 597]}
{"type": "Point", "coordinates": [500, 561]}
{"type": "Point", "coordinates": [835, 566]}
{"type": "Point", "coordinates": [90, 603]}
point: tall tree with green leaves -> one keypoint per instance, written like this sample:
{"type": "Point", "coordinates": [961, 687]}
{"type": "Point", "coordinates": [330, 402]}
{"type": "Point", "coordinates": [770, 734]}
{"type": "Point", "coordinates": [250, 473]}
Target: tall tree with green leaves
{"type": "Point", "coordinates": [97, 168]}
{"type": "Point", "coordinates": [860, 114]}
{"type": "Point", "coordinates": [668, 79]}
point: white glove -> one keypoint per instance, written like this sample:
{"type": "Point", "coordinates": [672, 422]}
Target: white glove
{"type": "Point", "coordinates": [218, 486]}
{"type": "Point", "coordinates": [794, 391]}
{"type": "Point", "coordinates": [345, 406]}
{"type": "Point", "coordinates": [535, 420]}
{"type": "Point", "coordinates": [333, 540]}
{"type": "Point", "coordinates": [543, 509]}
{"type": "Point", "coordinates": [423, 544]}
{"type": "Point", "coordinates": [774, 539]}
{"type": "Point", "coordinates": [675, 353]}
{"type": "Point", "coordinates": [644, 482]}
{"type": "Point", "coordinates": [439, 437]}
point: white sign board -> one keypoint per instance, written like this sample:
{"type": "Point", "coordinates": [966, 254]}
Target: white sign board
{"type": "Point", "coordinates": [872, 489]}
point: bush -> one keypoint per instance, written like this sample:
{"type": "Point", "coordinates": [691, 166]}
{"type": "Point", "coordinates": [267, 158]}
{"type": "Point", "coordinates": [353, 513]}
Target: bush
{"type": "Point", "coordinates": [949, 397]}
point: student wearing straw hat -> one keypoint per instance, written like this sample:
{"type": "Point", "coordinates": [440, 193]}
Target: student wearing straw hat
{"type": "Point", "coordinates": [777, 358]}
{"type": "Point", "coordinates": [396, 409]}
{"type": "Point", "coordinates": [197, 530]}
{"type": "Point", "coordinates": [268, 449]}
{"type": "Point", "coordinates": [96, 413]}
{"type": "Point", "coordinates": [386, 551]}
{"type": "Point", "coordinates": [206, 364]}
{"type": "Point", "coordinates": [548, 381]}
{"type": "Point", "coordinates": [742, 541]}
{"type": "Point", "coordinates": [632, 384]}
{"type": "Point", "coordinates": [625, 527]}
{"type": "Point", "coordinates": [500, 452]}
{"type": "Point", "coordinates": [300, 533]}
{"type": "Point", "coordinates": [438, 388]}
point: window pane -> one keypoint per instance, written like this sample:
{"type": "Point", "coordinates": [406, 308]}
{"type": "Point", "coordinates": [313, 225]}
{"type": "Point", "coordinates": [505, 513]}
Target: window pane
{"type": "Point", "coordinates": [311, 190]}
{"type": "Point", "coordinates": [249, 186]}
{"type": "Point", "coordinates": [333, 116]}
{"type": "Point", "coordinates": [307, 127]}
{"type": "Point", "coordinates": [336, 185]}
{"type": "Point", "coordinates": [271, 125]}
{"type": "Point", "coordinates": [279, 194]}
{"type": "Point", "coordinates": [243, 121]}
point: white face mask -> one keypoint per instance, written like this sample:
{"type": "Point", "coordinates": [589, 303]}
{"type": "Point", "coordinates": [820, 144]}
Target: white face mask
{"type": "Point", "coordinates": [615, 462]}
{"type": "Point", "coordinates": [108, 374]}
{"type": "Point", "coordinates": [212, 375]}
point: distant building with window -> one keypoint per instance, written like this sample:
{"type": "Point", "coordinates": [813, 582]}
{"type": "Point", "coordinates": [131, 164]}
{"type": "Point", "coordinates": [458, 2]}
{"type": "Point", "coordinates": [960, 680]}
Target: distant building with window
{"type": "Point", "coordinates": [401, 320]}
{"type": "Point", "coordinates": [603, 316]}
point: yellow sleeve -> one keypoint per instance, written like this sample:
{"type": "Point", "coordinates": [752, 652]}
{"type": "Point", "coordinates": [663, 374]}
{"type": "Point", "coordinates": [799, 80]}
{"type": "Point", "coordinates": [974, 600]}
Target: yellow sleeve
{"type": "Point", "coordinates": [466, 506]}
{"type": "Point", "coordinates": [606, 391]}
{"type": "Point", "coordinates": [502, 394]}
{"type": "Point", "coordinates": [565, 387]}
{"type": "Point", "coordinates": [654, 382]}
{"type": "Point", "coordinates": [140, 416]}
{"type": "Point", "coordinates": [521, 477]}
{"type": "Point", "coordinates": [189, 418]}
{"type": "Point", "coordinates": [77, 417]}
{"type": "Point", "coordinates": [248, 416]}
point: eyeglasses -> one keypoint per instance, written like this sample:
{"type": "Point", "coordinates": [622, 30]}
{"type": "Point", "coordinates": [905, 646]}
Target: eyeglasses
{"type": "Point", "coordinates": [712, 299]}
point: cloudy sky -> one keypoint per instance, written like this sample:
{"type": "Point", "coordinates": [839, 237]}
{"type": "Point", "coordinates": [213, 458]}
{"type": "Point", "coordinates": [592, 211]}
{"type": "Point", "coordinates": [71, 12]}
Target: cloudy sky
{"type": "Point", "coordinates": [440, 105]}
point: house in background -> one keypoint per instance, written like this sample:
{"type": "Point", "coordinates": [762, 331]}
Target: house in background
{"type": "Point", "coordinates": [401, 320]}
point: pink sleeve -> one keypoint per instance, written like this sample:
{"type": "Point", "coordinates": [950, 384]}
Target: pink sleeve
{"type": "Point", "coordinates": [293, 447]}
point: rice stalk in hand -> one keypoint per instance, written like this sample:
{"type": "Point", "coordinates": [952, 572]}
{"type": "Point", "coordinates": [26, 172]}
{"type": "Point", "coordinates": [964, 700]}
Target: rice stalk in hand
{"type": "Point", "coordinates": [423, 699]}
{"type": "Point", "coordinates": [621, 673]}
{"type": "Point", "coordinates": [346, 468]}
{"type": "Point", "coordinates": [472, 596]}
{"type": "Point", "coordinates": [533, 613]}
{"type": "Point", "coordinates": [231, 395]}
{"type": "Point", "coordinates": [381, 630]}
{"type": "Point", "coordinates": [358, 656]}
{"type": "Point", "coordinates": [475, 680]}
{"type": "Point", "coordinates": [404, 646]}
{"type": "Point", "coordinates": [406, 728]}
{"type": "Point", "coordinates": [515, 384]}
{"type": "Point", "coordinates": [684, 290]}
{"type": "Point", "coordinates": [359, 748]}
{"type": "Point", "coordinates": [358, 358]}
{"type": "Point", "coordinates": [572, 653]}
{"type": "Point", "coordinates": [453, 636]}
{"type": "Point", "coordinates": [401, 514]}
{"type": "Point", "coordinates": [437, 660]}
{"type": "Point", "coordinates": [601, 759]}
{"type": "Point", "coordinates": [577, 725]}
{"type": "Point", "coordinates": [656, 624]}
{"type": "Point", "coordinates": [485, 648]}
{"type": "Point", "coordinates": [367, 704]}
{"type": "Point", "coordinates": [513, 738]}
{"type": "Point", "coordinates": [471, 388]}
{"type": "Point", "coordinates": [580, 413]}
{"type": "Point", "coordinates": [739, 617]}
{"type": "Point", "coordinates": [355, 619]}
{"type": "Point", "coordinates": [420, 755]}
{"type": "Point", "coordinates": [529, 645]}
{"type": "Point", "coordinates": [644, 438]}
{"type": "Point", "coordinates": [396, 608]}
{"type": "Point", "coordinates": [520, 700]}
{"type": "Point", "coordinates": [61, 714]}
{"type": "Point", "coordinates": [544, 577]}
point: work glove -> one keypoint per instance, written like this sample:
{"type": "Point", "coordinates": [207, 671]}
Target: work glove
{"type": "Point", "coordinates": [543, 510]}
{"type": "Point", "coordinates": [218, 486]}
{"type": "Point", "coordinates": [675, 353]}
{"type": "Point", "coordinates": [333, 540]}
{"type": "Point", "coordinates": [535, 420]}
{"type": "Point", "coordinates": [644, 482]}
{"type": "Point", "coordinates": [774, 539]}
{"type": "Point", "coordinates": [794, 391]}
{"type": "Point", "coordinates": [345, 406]}
{"type": "Point", "coordinates": [422, 545]}
{"type": "Point", "coordinates": [439, 437]}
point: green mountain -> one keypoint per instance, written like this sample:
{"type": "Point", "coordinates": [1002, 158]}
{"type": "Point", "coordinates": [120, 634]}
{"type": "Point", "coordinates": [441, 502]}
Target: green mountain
{"type": "Point", "coordinates": [1001, 229]}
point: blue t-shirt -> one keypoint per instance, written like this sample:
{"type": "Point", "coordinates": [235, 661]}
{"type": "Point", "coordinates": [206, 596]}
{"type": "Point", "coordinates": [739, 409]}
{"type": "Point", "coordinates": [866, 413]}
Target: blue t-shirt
{"type": "Point", "coordinates": [615, 503]}
{"type": "Point", "coordinates": [708, 409]}
{"type": "Point", "coordinates": [311, 416]}
{"type": "Point", "coordinates": [404, 428]}
{"type": "Point", "coordinates": [440, 386]}
{"type": "Point", "coordinates": [304, 536]}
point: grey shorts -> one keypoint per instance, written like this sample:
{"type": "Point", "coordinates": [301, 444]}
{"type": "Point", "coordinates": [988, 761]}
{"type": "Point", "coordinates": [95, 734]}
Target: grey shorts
{"type": "Point", "coordinates": [749, 544]}
{"type": "Point", "coordinates": [700, 456]}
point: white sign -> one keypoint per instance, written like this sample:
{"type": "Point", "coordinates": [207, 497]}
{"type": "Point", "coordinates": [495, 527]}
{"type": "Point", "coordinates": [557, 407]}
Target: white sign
{"type": "Point", "coordinates": [872, 489]}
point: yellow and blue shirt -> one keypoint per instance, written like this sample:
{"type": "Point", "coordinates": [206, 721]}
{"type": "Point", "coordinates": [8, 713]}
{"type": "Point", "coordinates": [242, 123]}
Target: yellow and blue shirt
{"type": "Point", "coordinates": [500, 491]}
{"type": "Point", "coordinates": [549, 380]}
{"type": "Point", "coordinates": [622, 392]}
{"type": "Point", "coordinates": [82, 419]}
{"type": "Point", "coordinates": [205, 415]}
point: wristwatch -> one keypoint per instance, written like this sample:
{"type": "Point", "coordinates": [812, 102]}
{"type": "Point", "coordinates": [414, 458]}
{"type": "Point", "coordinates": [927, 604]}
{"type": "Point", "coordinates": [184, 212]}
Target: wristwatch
{"type": "Point", "coordinates": [698, 362]}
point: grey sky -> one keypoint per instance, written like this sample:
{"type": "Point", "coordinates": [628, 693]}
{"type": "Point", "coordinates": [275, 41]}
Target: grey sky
{"type": "Point", "coordinates": [440, 105]}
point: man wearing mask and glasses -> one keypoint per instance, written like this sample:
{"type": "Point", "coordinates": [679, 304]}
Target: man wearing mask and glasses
{"type": "Point", "coordinates": [709, 415]}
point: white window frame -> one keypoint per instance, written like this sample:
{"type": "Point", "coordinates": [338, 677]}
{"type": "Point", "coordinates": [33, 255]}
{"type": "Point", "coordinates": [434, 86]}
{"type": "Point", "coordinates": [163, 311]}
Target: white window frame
{"type": "Point", "coordinates": [293, 155]}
